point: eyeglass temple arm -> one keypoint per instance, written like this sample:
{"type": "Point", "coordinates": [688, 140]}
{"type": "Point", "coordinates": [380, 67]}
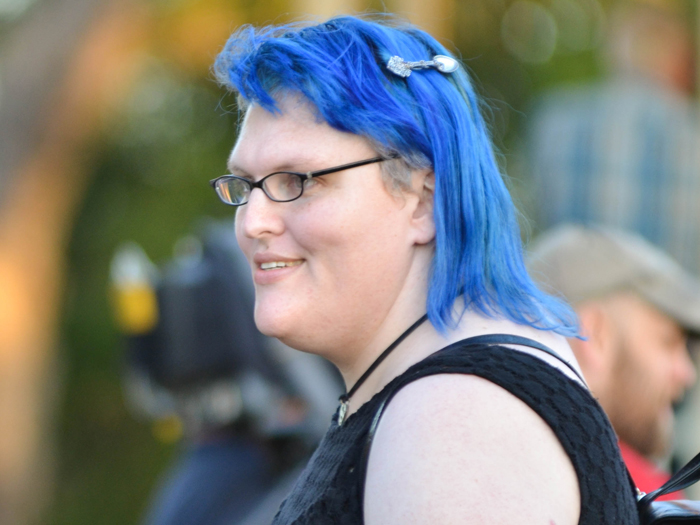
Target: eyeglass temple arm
{"type": "Point", "coordinates": [311, 174]}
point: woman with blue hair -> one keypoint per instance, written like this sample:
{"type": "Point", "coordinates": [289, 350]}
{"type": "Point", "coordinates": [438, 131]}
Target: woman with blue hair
{"type": "Point", "coordinates": [381, 203]}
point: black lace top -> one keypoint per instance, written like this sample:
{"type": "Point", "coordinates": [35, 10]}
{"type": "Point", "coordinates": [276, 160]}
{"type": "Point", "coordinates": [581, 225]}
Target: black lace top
{"type": "Point", "coordinates": [328, 492]}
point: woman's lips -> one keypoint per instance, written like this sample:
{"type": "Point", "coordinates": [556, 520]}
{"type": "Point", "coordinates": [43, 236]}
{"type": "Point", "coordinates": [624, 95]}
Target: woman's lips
{"type": "Point", "coordinates": [269, 272]}
{"type": "Point", "coordinates": [278, 264]}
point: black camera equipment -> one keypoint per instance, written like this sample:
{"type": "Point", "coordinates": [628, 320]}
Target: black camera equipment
{"type": "Point", "coordinates": [193, 351]}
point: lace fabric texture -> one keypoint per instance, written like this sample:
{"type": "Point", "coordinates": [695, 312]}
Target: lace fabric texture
{"type": "Point", "coordinates": [328, 490]}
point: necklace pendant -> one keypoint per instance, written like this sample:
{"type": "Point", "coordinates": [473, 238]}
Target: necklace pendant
{"type": "Point", "coordinates": [341, 413]}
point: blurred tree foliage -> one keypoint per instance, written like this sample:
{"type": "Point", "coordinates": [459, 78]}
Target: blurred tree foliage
{"type": "Point", "coordinates": [149, 186]}
{"type": "Point", "coordinates": [151, 167]}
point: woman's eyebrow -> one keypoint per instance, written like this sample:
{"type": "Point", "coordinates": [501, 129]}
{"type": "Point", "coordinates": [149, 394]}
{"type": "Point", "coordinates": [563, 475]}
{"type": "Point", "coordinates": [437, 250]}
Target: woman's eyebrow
{"type": "Point", "coordinates": [238, 171]}
{"type": "Point", "coordinates": [285, 166]}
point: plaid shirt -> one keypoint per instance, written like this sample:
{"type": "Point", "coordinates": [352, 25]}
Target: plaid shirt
{"type": "Point", "coordinates": [624, 154]}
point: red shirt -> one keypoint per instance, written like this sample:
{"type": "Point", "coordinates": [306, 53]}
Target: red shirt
{"type": "Point", "coordinates": [647, 476]}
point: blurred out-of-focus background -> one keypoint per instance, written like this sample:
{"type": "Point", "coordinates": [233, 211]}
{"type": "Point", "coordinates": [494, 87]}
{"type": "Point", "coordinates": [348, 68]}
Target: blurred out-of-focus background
{"type": "Point", "coordinates": [111, 126]}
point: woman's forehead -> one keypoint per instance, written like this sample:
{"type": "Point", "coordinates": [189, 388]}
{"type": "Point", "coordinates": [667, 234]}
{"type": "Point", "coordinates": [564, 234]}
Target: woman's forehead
{"type": "Point", "coordinates": [288, 139]}
{"type": "Point", "coordinates": [292, 118]}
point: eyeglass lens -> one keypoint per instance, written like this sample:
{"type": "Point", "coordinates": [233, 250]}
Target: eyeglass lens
{"type": "Point", "coordinates": [233, 191]}
{"type": "Point", "coordinates": [283, 186]}
{"type": "Point", "coordinates": [279, 187]}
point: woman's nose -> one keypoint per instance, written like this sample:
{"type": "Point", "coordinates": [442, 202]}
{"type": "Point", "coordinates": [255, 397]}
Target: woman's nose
{"type": "Point", "coordinates": [260, 217]}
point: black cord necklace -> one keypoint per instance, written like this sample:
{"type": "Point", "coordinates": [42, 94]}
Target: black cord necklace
{"type": "Point", "coordinates": [345, 398]}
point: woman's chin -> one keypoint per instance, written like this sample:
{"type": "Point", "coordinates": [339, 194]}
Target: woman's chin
{"type": "Point", "coordinates": [273, 322]}
{"type": "Point", "coordinates": [269, 327]}
{"type": "Point", "coordinates": [288, 331]}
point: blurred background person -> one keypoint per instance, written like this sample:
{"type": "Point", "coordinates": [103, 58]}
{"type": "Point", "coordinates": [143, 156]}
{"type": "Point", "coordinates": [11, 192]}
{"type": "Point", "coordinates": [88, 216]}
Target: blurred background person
{"type": "Point", "coordinates": [625, 151]}
{"type": "Point", "coordinates": [637, 307]}
{"type": "Point", "coordinates": [623, 148]}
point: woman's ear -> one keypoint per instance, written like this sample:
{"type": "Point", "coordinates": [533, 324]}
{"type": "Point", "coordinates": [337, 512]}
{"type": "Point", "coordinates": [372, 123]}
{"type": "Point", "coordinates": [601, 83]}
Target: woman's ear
{"type": "Point", "coordinates": [423, 183]}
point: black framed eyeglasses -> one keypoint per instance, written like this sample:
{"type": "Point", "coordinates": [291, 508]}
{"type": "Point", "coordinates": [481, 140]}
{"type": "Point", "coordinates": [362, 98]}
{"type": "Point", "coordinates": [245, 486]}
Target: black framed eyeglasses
{"type": "Point", "coordinates": [281, 186]}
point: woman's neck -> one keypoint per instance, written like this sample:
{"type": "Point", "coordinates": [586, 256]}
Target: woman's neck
{"type": "Point", "coordinates": [426, 340]}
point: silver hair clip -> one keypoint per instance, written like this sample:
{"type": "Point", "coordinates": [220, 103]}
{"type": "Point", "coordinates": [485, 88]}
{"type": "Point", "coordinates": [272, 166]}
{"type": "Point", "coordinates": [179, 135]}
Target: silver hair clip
{"type": "Point", "coordinates": [442, 63]}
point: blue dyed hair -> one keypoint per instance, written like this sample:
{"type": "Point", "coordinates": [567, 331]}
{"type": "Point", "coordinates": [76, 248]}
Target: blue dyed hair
{"type": "Point", "coordinates": [428, 119]}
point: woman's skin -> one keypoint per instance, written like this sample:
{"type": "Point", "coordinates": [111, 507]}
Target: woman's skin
{"type": "Point", "coordinates": [357, 260]}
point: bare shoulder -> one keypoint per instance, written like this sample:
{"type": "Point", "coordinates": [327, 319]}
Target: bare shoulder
{"type": "Point", "coordinates": [455, 448]}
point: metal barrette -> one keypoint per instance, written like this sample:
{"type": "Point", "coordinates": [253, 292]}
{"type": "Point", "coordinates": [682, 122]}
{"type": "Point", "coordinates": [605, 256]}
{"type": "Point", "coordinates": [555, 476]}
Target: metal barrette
{"type": "Point", "coordinates": [442, 63]}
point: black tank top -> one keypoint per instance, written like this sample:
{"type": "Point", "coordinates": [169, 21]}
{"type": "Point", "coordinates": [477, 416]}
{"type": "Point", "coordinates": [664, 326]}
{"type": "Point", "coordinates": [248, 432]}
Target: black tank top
{"type": "Point", "coordinates": [328, 492]}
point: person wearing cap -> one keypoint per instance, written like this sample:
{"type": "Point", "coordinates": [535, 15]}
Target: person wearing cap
{"type": "Point", "coordinates": [636, 307]}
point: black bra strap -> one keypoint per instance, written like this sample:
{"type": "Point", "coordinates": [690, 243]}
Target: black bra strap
{"type": "Point", "coordinates": [508, 339]}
